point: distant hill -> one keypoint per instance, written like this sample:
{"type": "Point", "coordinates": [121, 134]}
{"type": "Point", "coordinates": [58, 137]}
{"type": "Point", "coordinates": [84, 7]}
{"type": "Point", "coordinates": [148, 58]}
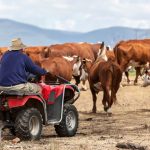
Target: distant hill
{"type": "Point", "coordinates": [33, 35]}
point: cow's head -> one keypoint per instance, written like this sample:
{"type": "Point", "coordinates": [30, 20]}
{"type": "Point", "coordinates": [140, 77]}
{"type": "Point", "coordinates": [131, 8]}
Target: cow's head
{"type": "Point", "coordinates": [108, 48]}
{"type": "Point", "coordinates": [37, 54]}
{"type": "Point", "coordinates": [85, 68]}
{"type": "Point", "coordinates": [75, 62]}
{"type": "Point", "coordinates": [146, 78]}
{"type": "Point", "coordinates": [73, 59]}
{"type": "Point", "coordinates": [102, 52]}
{"type": "Point", "coordinates": [46, 52]}
{"type": "Point", "coordinates": [1, 54]}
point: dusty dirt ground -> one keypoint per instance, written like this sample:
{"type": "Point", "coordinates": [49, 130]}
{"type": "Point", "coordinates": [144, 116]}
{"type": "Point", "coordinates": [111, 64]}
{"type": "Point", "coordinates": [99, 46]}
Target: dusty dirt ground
{"type": "Point", "coordinates": [130, 122]}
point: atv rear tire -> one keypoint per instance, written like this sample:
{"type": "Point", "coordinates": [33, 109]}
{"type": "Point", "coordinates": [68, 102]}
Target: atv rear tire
{"type": "Point", "coordinates": [69, 124]}
{"type": "Point", "coordinates": [12, 131]}
{"type": "Point", "coordinates": [28, 124]}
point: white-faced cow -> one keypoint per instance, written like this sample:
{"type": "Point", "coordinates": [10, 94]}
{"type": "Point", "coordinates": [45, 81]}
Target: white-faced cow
{"type": "Point", "coordinates": [103, 76]}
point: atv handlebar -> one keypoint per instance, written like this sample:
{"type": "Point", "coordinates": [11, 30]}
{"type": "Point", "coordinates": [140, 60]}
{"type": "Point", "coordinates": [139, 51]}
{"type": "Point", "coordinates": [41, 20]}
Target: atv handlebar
{"type": "Point", "coordinates": [75, 87]}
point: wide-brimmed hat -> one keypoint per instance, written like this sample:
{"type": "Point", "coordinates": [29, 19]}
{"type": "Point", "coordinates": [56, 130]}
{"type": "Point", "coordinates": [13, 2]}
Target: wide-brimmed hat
{"type": "Point", "coordinates": [16, 44]}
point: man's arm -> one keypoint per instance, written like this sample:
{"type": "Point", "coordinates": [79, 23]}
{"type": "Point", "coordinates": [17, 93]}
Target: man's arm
{"type": "Point", "coordinates": [33, 68]}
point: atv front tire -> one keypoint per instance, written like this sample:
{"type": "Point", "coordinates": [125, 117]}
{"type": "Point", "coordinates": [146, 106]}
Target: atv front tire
{"type": "Point", "coordinates": [69, 124]}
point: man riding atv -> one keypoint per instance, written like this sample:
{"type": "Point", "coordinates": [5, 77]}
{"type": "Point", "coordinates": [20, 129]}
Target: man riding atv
{"type": "Point", "coordinates": [25, 107]}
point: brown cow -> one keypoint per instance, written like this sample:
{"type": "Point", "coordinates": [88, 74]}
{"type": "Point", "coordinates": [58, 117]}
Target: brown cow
{"type": "Point", "coordinates": [133, 52]}
{"type": "Point", "coordinates": [111, 56]}
{"type": "Point", "coordinates": [70, 49]}
{"type": "Point", "coordinates": [35, 52]}
{"type": "Point", "coordinates": [2, 51]}
{"type": "Point", "coordinates": [1, 54]}
{"type": "Point", "coordinates": [66, 49]}
{"type": "Point", "coordinates": [103, 76]}
{"type": "Point", "coordinates": [57, 66]}
{"type": "Point", "coordinates": [42, 57]}
{"type": "Point", "coordinates": [95, 48]}
{"type": "Point", "coordinates": [82, 50]}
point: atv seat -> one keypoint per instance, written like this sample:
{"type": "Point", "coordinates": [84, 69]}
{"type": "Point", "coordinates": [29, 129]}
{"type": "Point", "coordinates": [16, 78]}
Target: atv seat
{"type": "Point", "coordinates": [16, 93]}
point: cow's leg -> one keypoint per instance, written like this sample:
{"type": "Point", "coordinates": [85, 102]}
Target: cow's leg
{"type": "Point", "coordinates": [113, 97]}
{"type": "Point", "coordinates": [106, 98]}
{"type": "Point", "coordinates": [138, 72]}
{"type": "Point", "coordinates": [84, 87]}
{"type": "Point", "coordinates": [115, 86]}
{"type": "Point", "coordinates": [107, 83]}
{"type": "Point", "coordinates": [94, 99]}
{"type": "Point", "coordinates": [77, 80]}
{"type": "Point", "coordinates": [127, 75]}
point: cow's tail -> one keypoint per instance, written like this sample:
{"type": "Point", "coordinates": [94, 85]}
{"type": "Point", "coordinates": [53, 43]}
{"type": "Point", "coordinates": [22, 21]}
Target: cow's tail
{"type": "Point", "coordinates": [116, 52]}
{"type": "Point", "coordinates": [116, 79]}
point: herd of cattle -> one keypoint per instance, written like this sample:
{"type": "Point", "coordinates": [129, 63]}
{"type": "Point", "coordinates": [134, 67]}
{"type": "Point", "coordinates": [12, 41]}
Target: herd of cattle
{"type": "Point", "coordinates": [101, 66]}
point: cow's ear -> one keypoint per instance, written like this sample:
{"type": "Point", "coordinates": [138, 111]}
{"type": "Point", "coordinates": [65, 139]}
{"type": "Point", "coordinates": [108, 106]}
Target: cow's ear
{"type": "Point", "coordinates": [27, 54]}
{"type": "Point", "coordinates": [46, 52]}
{"type": "Point", "coordinates": [146, 72]}
{"type": "Point", "coordinates": [102, 45]}
{"type": "Point", "coordinates": [107, 48]}
{"type": "Point", "coordinates": [84, 60]}
{"type": "Point", "coordinates": [78, 58]}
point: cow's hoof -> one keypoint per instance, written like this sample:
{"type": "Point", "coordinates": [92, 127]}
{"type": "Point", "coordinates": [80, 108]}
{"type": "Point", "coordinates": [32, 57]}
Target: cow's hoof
{"type": "Point", "coordinates": [94, 111]}
{"type": "Point", "coordinates": [109, 113]}
{"type": "Point", "coordinates": [135, 83]}
{"type": "Point", "coordinates": [121, 86]}
{"type": "Point", "coordinates": [128, 82]}
{"type": "Point", "coordinates": [83, 89]}
{"type": "Point", "coordinates": [105, 109]}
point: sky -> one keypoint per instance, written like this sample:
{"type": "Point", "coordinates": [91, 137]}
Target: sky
{"type": "Point", "coordinates": [78, 15]}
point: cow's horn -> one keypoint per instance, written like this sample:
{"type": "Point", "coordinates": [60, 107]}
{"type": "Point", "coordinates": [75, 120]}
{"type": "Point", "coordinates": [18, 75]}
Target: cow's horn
{"type": "Point", "coordinates": [89, 60]}
{"type": "Point", "coordinates": [75, 56]}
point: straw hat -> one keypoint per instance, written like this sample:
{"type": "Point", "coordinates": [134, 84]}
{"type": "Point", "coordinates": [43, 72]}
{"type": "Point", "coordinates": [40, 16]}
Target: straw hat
{"type": "Point", "coordinates": [16, 44]}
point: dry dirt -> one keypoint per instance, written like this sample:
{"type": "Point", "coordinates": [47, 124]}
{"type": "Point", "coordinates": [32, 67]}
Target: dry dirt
{"type": "Point", "coordinates": [130, 122]}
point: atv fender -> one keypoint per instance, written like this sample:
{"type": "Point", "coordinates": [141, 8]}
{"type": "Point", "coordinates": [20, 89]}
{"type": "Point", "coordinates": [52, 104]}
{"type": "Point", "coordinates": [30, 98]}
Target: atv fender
{"type": "Point", "coordinates": [21, 101]}
{"type": "Point", "coordinates": [75, 95]}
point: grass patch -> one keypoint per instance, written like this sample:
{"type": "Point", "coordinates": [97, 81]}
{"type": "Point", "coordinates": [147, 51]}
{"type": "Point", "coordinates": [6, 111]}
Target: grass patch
{"type": "Point", "coordinates": [132, 73]}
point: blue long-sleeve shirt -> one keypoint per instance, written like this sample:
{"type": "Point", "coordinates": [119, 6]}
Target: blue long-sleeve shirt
{"type": "Point", "coordinates": [15, 67]}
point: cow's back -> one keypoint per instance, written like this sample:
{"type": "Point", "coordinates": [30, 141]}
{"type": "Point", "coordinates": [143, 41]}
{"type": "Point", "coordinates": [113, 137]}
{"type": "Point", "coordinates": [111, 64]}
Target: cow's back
{"type": "Point", "coordinates": [132, 50]}
{"type": "Point", "coordinates": [58, 66]}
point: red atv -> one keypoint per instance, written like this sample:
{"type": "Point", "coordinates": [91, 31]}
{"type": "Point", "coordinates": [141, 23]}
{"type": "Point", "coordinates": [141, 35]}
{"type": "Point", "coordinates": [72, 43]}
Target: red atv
{"type": "Point", "coordinates": [25, 113]}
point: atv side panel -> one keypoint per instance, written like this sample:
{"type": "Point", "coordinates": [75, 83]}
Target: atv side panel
{"type": "Point", "coordinates": [55, 105]}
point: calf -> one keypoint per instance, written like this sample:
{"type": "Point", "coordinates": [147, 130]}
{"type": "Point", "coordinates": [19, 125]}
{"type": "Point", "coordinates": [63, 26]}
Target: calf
{"type": "Point", "coordinates": [146, 79]}
{"type": "Point", "coordinates": [78, 73]}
